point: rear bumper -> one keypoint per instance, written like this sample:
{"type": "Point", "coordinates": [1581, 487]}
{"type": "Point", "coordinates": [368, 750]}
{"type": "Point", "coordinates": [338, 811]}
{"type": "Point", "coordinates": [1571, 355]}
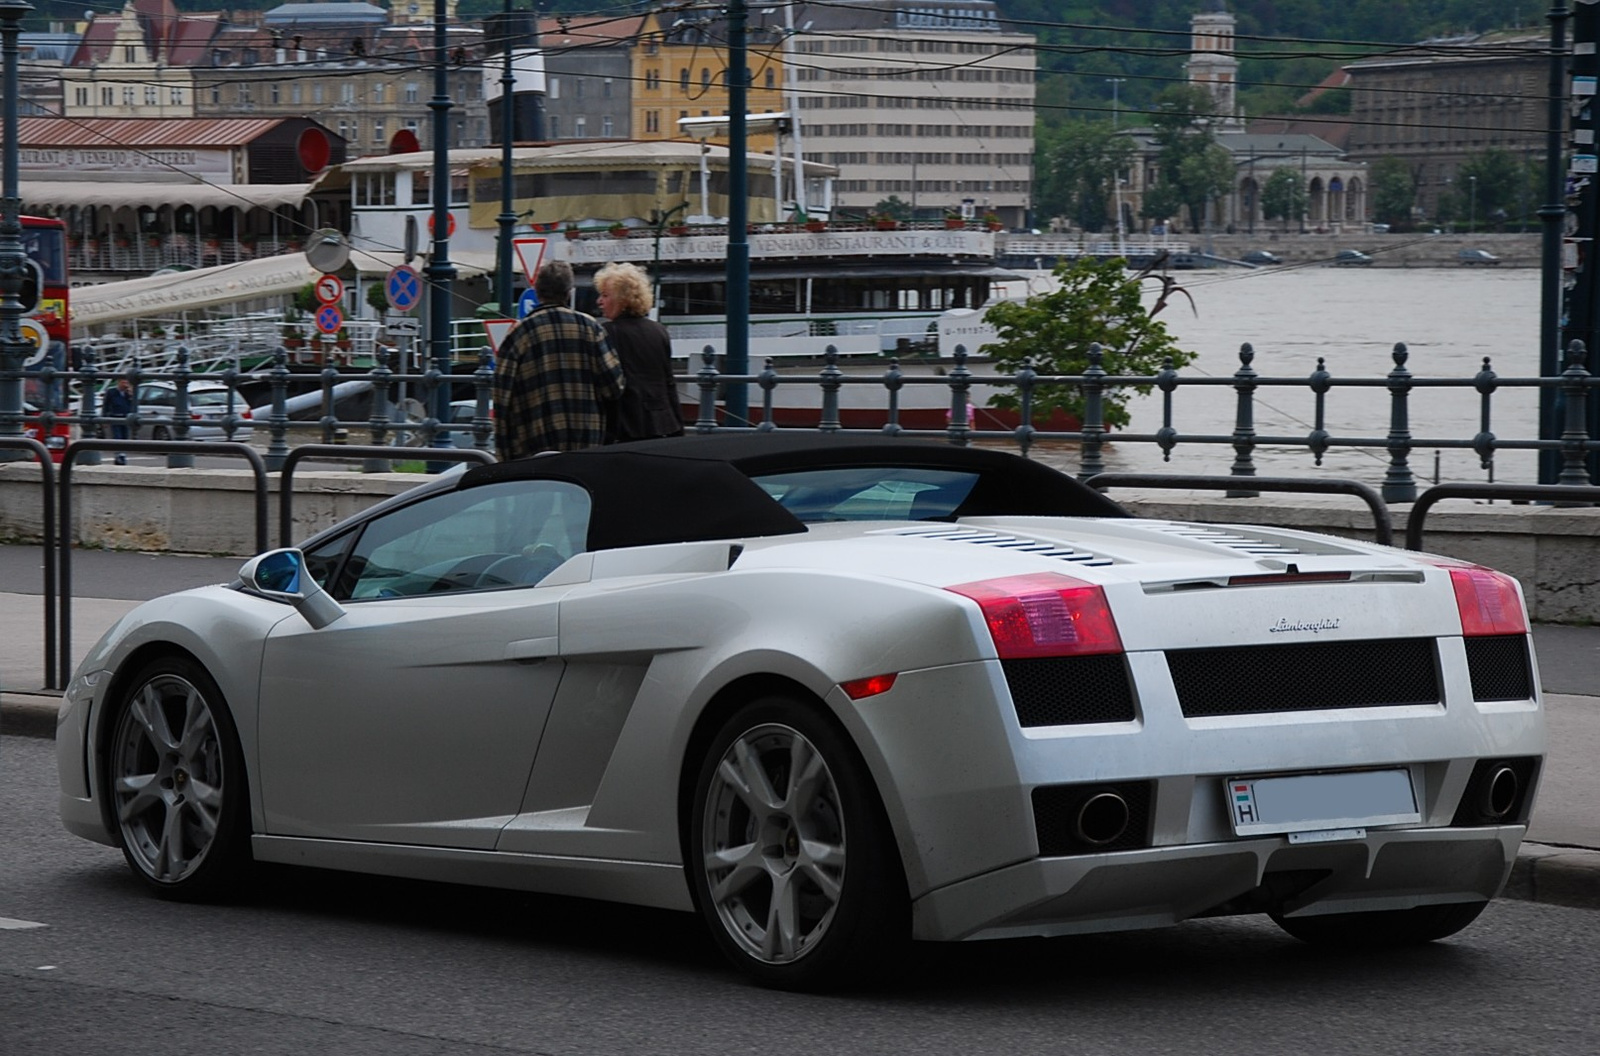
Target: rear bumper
{"type": "Point", "coordinates": [1387, 870]}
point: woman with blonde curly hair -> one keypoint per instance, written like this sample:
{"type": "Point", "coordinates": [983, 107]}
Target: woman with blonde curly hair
{"type": "Point", "coordinates": [649, 406]}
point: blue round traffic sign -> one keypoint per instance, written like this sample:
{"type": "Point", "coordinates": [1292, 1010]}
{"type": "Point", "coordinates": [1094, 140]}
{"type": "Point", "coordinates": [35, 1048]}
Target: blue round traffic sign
{"type": "Point", "coordinates": [527, 303]}
{"type": "Point", "coordinates": [329, 318]}
{"type": "Point", "coordinates": [403, 287]}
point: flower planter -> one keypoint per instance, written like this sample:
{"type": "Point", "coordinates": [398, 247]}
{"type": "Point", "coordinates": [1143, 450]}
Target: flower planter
{"type": "Point", "coordinates": [574, 234]}
{"type": "Point", "coordinates": [816, 225]}
{"type": "Point", "coordinates": [994, 225]}
{"type": "Point", "coordinates": [954, 223]}
{"type": "Point", "coordinates": [678, 230]}
{"type": "Point", "coordinates": [886, 225]}
{"type": "Point", "coordinates": [619, 232]}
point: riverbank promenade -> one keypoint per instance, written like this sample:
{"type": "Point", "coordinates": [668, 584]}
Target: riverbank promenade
{"type": "Point", "coordinates": [1560, 863]}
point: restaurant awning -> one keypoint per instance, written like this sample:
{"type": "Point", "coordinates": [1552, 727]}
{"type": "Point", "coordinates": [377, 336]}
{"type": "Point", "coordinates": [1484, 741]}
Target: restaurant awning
{"type": "Point", "coordinates": [226, 284]}
{"type": "Point", "coordinates": [201, 288]}
{"type": "Point", "coordinates": [38, 195]}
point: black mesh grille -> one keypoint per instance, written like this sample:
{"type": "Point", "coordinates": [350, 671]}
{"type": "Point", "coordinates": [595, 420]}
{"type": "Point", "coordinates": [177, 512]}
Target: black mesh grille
{"type": "Point", "coordinates": [1055, 813]}
{"type": "Point", "coordinates": [1068, 690]}
{"type": "Point", "coordinates": [1499, 668]}
{"type": "Point", "coordinates": [1304, 676]}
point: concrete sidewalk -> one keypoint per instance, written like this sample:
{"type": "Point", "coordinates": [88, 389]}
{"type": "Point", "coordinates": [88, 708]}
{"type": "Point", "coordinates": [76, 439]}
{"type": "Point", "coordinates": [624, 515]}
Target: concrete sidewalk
{"type": "Point", "coordinates": [1559, 863]}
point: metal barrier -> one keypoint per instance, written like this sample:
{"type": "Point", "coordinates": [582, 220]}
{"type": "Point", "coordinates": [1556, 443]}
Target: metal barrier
{"type": "Point", "coordinates": [1382, 523]}
{"type": "Point", "coordinates": [64, 536]}
{"type": "Point", "coordinates": [47, 524]}
{"type": "Point", "coordinates": [1556, 494]}
{"type": "Point", "coordinates": [340, 452]}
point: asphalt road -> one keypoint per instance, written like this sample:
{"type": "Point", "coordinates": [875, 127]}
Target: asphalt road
{"type": "Point", "coordinates": [312, 962]}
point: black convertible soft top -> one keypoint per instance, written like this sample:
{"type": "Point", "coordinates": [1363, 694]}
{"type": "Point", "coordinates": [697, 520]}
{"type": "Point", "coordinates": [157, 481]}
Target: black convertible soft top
{"type": "Point", "coordinates": [693, 488]}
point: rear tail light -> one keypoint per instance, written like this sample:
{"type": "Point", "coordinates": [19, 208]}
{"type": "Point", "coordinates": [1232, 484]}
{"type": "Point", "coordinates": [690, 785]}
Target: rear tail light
{"type": "Point", "coordinates": [245, 413]}
{"type": "Point", "coordinates": [1488, 601]}
{"type": "Point", "coordinates": [1047, 614]}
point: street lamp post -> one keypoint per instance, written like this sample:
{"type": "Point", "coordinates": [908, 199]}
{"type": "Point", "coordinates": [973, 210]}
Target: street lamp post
{"type": "Point", "coordinates": [13, 261]}
{"type": "Point", "coordinates": [1115, 108]}
{"type": "Point", "coordinates": [1472, 203]}
{"type": "Point", "coordinates": [441, 273]}
{"type": "Point", "coordinates": [507, 219]}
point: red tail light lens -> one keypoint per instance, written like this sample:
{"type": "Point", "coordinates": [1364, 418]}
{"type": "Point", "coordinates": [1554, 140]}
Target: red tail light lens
{"type": "Point", "coordinates": [1488, 602]}
{"type": "Point", "coordinates": [868, 687]}
{"type": "Point", "coordinates": [1044, 615]}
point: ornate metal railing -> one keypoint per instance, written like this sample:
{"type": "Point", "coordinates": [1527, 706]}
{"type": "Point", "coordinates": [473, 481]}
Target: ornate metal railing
{"type": "Point", "coordinates": [404, 406]}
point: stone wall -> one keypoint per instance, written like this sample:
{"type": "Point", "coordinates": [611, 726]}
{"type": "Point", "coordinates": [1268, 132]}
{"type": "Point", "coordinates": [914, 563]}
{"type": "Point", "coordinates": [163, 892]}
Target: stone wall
{"type": "Point", "coordinates": [1554, 552]}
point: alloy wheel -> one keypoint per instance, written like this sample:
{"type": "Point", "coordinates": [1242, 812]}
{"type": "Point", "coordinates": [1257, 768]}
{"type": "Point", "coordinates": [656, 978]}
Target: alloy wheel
{"type": "Point", "coordinates": [773, 843]}
{"type": "Point", "coordinates": [168, 778]}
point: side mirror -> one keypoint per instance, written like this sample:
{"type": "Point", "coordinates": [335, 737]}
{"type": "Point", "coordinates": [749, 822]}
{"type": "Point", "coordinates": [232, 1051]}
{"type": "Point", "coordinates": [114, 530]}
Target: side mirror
{"type": "Point", "coordinates": [281, 575]}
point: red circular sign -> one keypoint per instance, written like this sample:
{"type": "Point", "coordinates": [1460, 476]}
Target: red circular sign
{"type": "Point", "coordinates": [314, 150]}
{"type": "Point", "coordinates": [449, 229]}
{"type": "Point", "coordinates": [404, 142]}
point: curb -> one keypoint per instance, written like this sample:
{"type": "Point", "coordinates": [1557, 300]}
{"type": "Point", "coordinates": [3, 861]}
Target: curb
{"type": "Point", "coordinates": [1555, 875]}
{"type": "Point", "coordinates": [1548, 873]}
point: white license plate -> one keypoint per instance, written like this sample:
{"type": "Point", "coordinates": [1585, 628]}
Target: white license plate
{"type": "Point", "coordinates": [1308, 802]}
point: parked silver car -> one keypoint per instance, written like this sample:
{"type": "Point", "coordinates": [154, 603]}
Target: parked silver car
{"type": "Point", "coordinates": [210, 405]}
{"type": "Point", "coordinates": [832, 694]}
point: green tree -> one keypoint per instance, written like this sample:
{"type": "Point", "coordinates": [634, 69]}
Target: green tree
{"type": "Point", "coordinates": [1096, 302]}
{"type": "Point", "coordinates": [894, 206]}
{"type": "Point", "coordinates": [1193, 169]}
{"type": "Point", "coordinates": [1394, 192]}
{"type": "Point", "coordinates": [1492, 181]}
{"type": "Point", "coordinates": [1284, 196]}
{"type": "Point", "coordinates": [1079, 164]}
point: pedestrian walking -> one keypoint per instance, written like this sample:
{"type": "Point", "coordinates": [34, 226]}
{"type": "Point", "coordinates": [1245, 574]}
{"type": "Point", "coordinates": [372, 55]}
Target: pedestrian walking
{"type": "Point", "coordinates": [554, 375]}
{"type": "Point", "coordinates": [649, 406]}
{"type": "Point", "coordinates": [115, 406]}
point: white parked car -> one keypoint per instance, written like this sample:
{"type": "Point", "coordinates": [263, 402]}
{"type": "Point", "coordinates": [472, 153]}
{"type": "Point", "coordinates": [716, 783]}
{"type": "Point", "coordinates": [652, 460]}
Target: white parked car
{"type": "Point", "coordinates": [831, 694]}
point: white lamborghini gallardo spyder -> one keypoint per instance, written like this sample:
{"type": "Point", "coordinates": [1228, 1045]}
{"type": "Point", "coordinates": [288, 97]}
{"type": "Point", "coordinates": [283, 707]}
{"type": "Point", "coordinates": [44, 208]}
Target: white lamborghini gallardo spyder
{"type": "Point", "coordinates": [832, 694]}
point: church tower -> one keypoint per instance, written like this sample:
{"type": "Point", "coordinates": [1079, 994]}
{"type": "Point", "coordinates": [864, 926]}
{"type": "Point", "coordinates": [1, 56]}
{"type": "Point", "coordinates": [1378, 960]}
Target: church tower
{"type": "Point", "coordinates": [1212, 64]}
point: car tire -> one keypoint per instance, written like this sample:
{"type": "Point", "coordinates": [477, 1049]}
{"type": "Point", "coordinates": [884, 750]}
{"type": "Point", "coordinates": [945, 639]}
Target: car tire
{"type": "Point", "coordinates": [1383, 928]}
{"type": "Point", "coordinates": [176, 783]}
{"type": "Point", "coordinates": [799, 881]}
{"type": "Point", "coordinates": [160, 432]}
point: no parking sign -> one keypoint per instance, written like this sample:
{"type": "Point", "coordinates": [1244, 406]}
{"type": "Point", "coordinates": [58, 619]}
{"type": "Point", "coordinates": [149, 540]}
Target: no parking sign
{"type": "Point", "coordinates": [403, 288]}
{"type": "Point", "coordinates": [329, 318]}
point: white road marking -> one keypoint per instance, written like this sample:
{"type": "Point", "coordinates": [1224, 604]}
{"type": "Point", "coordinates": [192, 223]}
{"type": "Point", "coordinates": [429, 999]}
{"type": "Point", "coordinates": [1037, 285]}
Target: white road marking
{"type": "Point", "coordinates": [7, 924]}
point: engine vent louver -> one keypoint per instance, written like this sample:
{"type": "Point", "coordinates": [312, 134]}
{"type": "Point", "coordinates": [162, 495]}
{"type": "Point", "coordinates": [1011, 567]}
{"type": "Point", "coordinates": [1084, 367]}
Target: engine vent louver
{"type": "Point", "coordinates": [1005, 541]}
{"type": "Point", "coordinates": [1499, 667]}
{"type": "Point", "coordinates": [1070, 690]}
{"type": "Point", "coordinates": [1245, 544]}
{"type": "Point", "coordinates": [1304, 676]}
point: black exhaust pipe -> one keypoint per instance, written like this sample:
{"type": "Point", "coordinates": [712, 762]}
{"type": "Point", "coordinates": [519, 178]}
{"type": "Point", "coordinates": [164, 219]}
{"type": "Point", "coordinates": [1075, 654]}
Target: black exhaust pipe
{"type": "Point", "coordinates": [1101, 819]}
{"type": "Point", "coordinates": [1499, 793]}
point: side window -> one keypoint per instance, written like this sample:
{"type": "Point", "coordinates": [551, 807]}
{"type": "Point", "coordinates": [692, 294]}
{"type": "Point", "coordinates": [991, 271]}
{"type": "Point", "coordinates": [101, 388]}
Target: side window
{"type": "Point", "coordinates": [510, 534]}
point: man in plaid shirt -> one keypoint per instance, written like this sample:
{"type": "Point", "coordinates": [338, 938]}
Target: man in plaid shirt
{"type": "Point", "coordinates": [552, 375]}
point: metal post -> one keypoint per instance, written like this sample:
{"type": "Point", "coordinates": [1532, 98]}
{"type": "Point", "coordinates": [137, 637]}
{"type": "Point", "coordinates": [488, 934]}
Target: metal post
{"type": "Point", "coordinates": [960, 390]}
{"type": "Point", "coordinates": [1573, 382]}
{"type": "Point", "coordinates": [278, 420]}
{"type": "Point", "coordinates": [441, 273]}
{"type": "Point", "coordinates": [706, 420]}
{"type": "Point", "coordinates": [13, 349]}
{"type": "Point", "coordinates": [180, 411]}
{"type": "Point", "coordinates": [1091, 460]}
{"type": "Point", "coordinates": [1244, 422]}
{"type": "Point", "coordinates": [1398, 483]}
{"type": "Point", "coordinates": [1551, 215]}
{"type": "Point", "coordinates": [738, 333]}
{"type": "Point", "coordinates": [831, 374]}
{"type": "Point", "coordinates": [378, 423]}
{"type": "Point", "coordinates": [508, 134]}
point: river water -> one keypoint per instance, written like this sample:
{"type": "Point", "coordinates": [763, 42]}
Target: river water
{"type": "Point", "coordinates": [1350, 318]}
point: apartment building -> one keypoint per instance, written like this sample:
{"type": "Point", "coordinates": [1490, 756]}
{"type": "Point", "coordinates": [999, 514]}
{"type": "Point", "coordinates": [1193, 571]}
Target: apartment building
{"type": "Point", "coordinates": [928, 102]}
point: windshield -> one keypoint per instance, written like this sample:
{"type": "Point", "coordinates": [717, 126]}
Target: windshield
{"type": "Point", "coordinates": [870, 493]}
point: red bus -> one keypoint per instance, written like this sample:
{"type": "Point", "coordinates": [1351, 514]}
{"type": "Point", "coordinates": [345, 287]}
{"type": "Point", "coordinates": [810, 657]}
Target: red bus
{"type": "Point", "coordinates": [45, 324]}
